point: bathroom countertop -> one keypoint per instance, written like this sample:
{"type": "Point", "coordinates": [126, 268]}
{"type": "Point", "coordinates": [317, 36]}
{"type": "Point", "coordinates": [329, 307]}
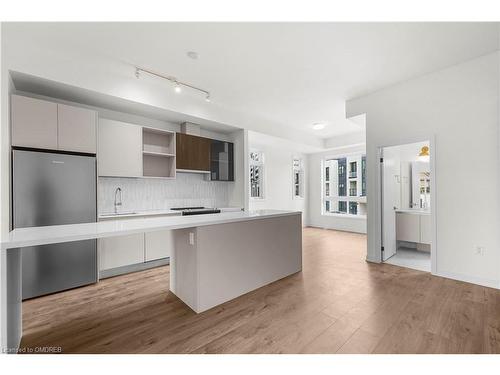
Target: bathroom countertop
{"type": "Point", "coordinates": [413, 211]}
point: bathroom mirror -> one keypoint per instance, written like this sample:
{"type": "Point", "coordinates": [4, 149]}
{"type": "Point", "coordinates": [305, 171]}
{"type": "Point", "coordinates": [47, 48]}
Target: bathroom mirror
{"type": "Point", "coordinates": [421, 185]}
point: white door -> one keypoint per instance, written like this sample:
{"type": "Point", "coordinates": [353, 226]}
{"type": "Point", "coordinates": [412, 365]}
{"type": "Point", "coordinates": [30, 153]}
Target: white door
{"type": "Point", "coordinates": [391, 200]}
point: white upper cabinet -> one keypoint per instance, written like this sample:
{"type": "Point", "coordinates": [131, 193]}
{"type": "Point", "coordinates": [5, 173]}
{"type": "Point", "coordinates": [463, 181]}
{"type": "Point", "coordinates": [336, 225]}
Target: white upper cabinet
{"type": "Point", "coordinates": [34, 122]}
{"type": "Point", "coordinates": [119, 149]}
{"type": "Point", "coordinates": [42, 124]}
{"type": "Point", "coordinates": [76, 129]}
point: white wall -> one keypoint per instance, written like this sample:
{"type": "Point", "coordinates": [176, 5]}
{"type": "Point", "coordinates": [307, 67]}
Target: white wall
{"type": "Point", "coordinates": [458, 106]}
{"type": "Point", "coordinates": [278, 175]}
{"type": "Point", "coordinates": [316, 219]}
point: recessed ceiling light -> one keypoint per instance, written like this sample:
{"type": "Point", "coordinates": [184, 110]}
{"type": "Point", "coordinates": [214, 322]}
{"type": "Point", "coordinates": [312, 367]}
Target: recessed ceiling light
{"type": "Point", "coordinates": [192, 55]}
{"type": "Point", "coordinates": [318, 126]}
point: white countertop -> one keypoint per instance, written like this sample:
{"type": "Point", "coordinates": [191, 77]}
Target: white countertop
{"type": "Point", "coordinates": [413, 211]}
{"type": "Point", "coordinates": [136, 213]}
{"type": "Point", "coordinates": [162, 212]}
{"type": "Point", "coordinates": [34, 236]}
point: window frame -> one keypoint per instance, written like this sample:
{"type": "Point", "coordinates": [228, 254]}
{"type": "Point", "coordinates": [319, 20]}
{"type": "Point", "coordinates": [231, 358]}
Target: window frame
{"type": "Point", "coordinates": [301, 184]}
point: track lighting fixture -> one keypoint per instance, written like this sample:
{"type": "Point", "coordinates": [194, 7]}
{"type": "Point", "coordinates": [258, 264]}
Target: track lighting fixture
{"type": "Point", "coordinates": [178, 84]}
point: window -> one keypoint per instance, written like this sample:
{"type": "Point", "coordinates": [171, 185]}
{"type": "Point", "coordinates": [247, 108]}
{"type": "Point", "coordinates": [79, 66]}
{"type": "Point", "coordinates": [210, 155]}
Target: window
{"type": "Point", "coordinates": [353, 169]}
{"type": "Point", "coordinates": [363, 176]}
{"type": "Point", "coordinates": [256, 174]}
{"type": "Point", "coordinates": [353, 188]}
{"type": "Point", "coordinates": [344, 189]}
{"type": "Point", "coordinates": [298, 178]}
{"type": "Point", "coordinates": [342, 206]}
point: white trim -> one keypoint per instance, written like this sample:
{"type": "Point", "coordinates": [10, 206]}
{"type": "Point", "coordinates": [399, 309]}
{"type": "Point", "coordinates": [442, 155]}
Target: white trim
{"type": "Point", "coordinates": [347, 216]}
{"type": "Point", "coordinates": [371, 260]}
{"type": "Point", "coordinates": [491, 283]}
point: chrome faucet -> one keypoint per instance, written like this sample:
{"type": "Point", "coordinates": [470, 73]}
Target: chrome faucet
{"type": "Point", "coordinates": [118, 202]}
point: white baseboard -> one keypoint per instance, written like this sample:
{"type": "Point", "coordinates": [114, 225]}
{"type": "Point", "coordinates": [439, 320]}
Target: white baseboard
{"type": "Point", "coordinates": [372, 260]}
{"type": "Point", "coordinates": [313, 225]}
{"type": "Point", "coordinates": [470, 279]}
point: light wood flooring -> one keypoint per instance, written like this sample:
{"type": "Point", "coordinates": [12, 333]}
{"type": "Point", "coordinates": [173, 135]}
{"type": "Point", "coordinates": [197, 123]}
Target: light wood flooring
{"type": "Point", "coordinates": [338, 304]}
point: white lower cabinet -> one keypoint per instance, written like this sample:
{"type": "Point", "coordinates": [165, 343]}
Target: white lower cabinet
{"type": "Point", "coordinates": [425, 229]}
{"type": "Point", "coordinates": [413, 227]}
{"type": "Point", "coordinates": [158, 245]}
{"type": "Point", "coordinates": [407, 227]}
{"type": "Point", "coordinates": [120, 251]}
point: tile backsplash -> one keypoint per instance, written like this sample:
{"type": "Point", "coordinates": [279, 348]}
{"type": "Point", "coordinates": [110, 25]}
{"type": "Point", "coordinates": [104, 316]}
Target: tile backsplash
{"type": "Point", "coordinates": [187, 189]}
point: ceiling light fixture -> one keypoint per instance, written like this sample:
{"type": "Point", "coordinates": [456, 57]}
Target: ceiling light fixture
{"type": "Point", "coordinates": [192, 55]}
{"type": "Point", "coordinates": [318, 126]}
{"type": "Point", "coordinates": [178, 84]}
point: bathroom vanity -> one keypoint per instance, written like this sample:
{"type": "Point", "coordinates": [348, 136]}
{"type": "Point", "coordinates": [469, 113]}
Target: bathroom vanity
{"type": "Point", "coordinates": [413, 226]}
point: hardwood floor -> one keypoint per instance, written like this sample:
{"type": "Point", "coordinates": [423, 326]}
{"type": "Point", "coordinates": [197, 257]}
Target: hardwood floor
{"type": "Point", "coordinates": [338, 304]}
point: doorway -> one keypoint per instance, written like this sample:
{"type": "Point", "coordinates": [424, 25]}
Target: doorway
{"type": "Point", "coordinates": [407, 222]}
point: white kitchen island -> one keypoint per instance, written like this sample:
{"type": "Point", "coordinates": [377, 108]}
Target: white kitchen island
{"type": "Point", "coordinates": [216, 257]}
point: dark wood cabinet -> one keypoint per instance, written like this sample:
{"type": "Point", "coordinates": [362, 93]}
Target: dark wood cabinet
{"type": "Point", "coordinates": [221, 161]}
{"type": "Point", "coordinates": [192, 152]}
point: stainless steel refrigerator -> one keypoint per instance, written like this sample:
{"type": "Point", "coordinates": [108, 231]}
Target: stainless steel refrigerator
{"type": "Point", "coordinates": [54, 189]}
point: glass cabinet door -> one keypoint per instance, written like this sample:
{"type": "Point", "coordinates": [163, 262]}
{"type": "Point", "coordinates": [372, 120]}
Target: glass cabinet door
{"type": "Point", "coordinates": [222, 161]}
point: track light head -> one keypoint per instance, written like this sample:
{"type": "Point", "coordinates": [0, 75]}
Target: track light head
{"type": "Point", "coordinates": [177, 87]}
{"type": "Point", "coordinates": [207, 98]}
{"type": "Point", "coordinates": [137, 73]}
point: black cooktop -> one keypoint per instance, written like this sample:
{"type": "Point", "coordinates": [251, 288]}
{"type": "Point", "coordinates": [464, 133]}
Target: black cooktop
{"type": "Point", "coordinates": [187, 208]}
{"type": "Point", "coordinates": [196, 210]}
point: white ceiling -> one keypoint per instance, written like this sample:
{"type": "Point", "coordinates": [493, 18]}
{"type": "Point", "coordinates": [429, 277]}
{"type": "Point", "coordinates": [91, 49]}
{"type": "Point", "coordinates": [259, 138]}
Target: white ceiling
{"type": "Point", "coordinates": [294, 74]}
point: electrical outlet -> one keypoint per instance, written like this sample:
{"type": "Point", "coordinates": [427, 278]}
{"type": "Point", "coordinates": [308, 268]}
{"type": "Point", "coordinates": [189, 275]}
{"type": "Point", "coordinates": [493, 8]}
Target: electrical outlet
{"type": "Point", "coordinates": [479, 250]}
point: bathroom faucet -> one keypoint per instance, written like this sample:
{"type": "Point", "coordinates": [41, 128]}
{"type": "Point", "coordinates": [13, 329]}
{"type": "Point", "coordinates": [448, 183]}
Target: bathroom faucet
{"type": "Point", "coordinates": [118, 202]}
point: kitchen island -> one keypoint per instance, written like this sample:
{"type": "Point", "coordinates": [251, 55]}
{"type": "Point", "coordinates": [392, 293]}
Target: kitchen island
{"type": "Point", "coordinates": [216, 257]}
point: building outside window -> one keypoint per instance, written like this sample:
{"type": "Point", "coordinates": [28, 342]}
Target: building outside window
{"type": "Point", "coordinates": [353, 169]}
{"type": "Point", "coordinates": [343, 206]}
{"type": "Point", "coordinates": [256, 174]}
{"type": "Point", "coordinates": [363, 176]}
{"type": "Point", "coordinates": [298, 178]}
{"type": "Point", "coordinates": [342, 177]}
{"type": "Point", "coordinates": [344, 189]}
{"type": "Point", "coordinates": [353, 188]}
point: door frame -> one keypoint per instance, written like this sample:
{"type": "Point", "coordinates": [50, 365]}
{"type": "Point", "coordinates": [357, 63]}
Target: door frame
{"type": "Point", "coordinates": [379, 204]}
